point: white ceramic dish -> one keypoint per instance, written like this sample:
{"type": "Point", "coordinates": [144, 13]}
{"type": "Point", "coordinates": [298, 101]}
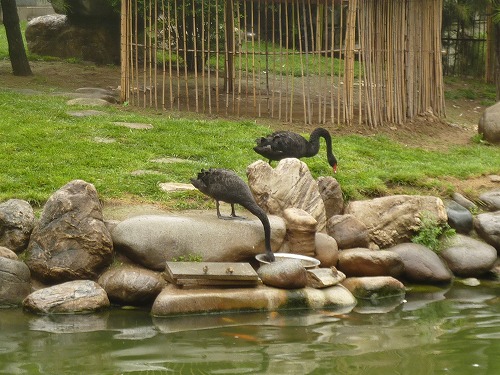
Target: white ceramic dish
{"type": "Point", "coordinates": [306, 261]}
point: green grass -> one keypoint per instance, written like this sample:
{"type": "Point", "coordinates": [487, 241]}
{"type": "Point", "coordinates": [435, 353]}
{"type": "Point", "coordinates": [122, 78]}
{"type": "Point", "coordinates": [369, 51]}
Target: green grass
{"type": "Point", "coordinates": [42, 148]}
{"type": "Point", "coordinates": [461, 88]}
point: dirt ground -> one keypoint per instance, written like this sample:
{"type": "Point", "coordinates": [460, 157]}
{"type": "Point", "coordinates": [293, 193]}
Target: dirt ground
{"type": "Point", "coordinates": [427, 132]}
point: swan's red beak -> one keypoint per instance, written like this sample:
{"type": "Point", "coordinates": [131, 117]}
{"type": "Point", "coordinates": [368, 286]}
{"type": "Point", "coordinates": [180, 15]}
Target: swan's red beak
{"type": "Point", "coordinates": [334, 168]}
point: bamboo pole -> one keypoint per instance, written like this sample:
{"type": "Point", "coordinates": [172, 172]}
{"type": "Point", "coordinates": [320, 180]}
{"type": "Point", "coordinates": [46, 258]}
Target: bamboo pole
{"type": "Point", "coordinates": [209, 46]}
{"type": "Point", "coordinates": [241, 30]}
{"type": "Point", "coordinates": [185, 54]}
{"type": "Point", "coordinates": [124, 11]}
{"type": "Point", "coordinates": [203, 58]}
{"type": "Point", "coordinates": [195, 53]}
{"type": "Point", "coordinates": [178, 56]}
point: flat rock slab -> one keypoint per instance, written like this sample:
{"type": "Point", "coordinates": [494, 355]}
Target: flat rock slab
{"type": "Point", "coordinates": [134, 125]}
{"type": "Point", "coordinates": [86, 113]}
{"type": "Point", "coordinates": [175, 186]}
{"type": "Point", "coordinates": [175, 301]}
{"type": "Point", "coordinates": [172, 160]}
{"type": "Point", "coordinates": [93, 102]}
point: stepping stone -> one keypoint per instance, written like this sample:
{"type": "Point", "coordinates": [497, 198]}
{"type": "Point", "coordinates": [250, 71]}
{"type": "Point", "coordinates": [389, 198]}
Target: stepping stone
{"type": "Point", "coordinates": [86, 113]}
{"type": "Point", "coordinates": [134, 125]}
{"type": "Point", "coordinates": [96, 102]}
{"type": "Point", "coordinates": [104, 140]}
{"type": "Point", "coordinates": [171, 160]}
{"type": "Point", "coordinates": [142, 172]}
{"type": "Point", "coordinates": [175, 186]}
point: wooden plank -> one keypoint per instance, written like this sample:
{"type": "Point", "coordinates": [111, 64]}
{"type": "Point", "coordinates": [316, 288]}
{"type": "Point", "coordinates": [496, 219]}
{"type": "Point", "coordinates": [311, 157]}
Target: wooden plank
{"type": "Point", "coordinates": [211, 271]}
{"type": "Point", "coordinates": [193, 283]}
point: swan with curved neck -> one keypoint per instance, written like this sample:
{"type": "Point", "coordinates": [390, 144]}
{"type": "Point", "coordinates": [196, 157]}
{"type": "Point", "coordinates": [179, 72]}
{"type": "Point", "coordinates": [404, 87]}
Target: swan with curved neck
{"type": "Point", "coordinates": [225, 185]}
{"type": "Point", "coordinates": [286, 144]}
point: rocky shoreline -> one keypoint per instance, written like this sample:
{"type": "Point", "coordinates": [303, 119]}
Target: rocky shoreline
{"type": "Point", "coordinates": [74, 259]}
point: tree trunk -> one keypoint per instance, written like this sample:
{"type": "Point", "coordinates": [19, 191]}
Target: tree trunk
{"type": "Point", "coordinates": [497, 59]}
{"type": "Point", "coordinates": [17, 53]}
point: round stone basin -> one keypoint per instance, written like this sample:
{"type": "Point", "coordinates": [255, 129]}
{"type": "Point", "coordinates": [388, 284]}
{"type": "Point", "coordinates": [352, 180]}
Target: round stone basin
{"type": "Point", "coordinates": [306, 261]}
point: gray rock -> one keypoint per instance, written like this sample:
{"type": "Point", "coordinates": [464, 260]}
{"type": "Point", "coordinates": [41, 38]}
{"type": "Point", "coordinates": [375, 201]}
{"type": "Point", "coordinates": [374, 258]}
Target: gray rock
{"type": "Point", "coordinates": [152, 240]}
{"type": "Point", "coordinates": [491, 199]}
{"type": "Point", "coordinates": [459, 218]}
{"type": "Point", "coordinates": [348, 231]}
{"type": "Point", "coordinates": [300, 232]}
{"type": "Point", "coordinates": [55, 35]}
{"type": "Point", "coordinates": [464, 202]}
{"type": "Point", "coordinates": [373, 288]}
{"type": "Point", "coordinates": [332, 196]}
{"type": "Point", "coordinates": [14, 282]}
{"type": "Point", "coordinates": [468, 257]}
{"type": "Point", "coordinates": [327, 251]}
{"type": "Point", "coordinates": [72, 297]}
{"type": "Point", "coordinates": [131, 285]}
{"type": "Point", "coordinates": [394, 219]}
{"type": "Point", "coordinates": [288, 185]}
{"type": "Point", "coordinates": [421, 264]}
{"type": "Point", "coordinates": [70, 240]}
{"type": "Point", "coordinates": [365, 262]}
{"type": "Point", "coordinates": [7, 253]}
{"type": "Point", "coordinates": [17, 221]}
{"type": "Point", "coordinates": [284, 274]}
{"type": "Point", "coordinates": [487, 226]}
{"type": "Point", "coordinates": [176, 301]}
{"type": "Point", "coordinates": [489, 124]}
{"type": "Point", "coordinates": [320, 278]}
{"type": "Point", "coordinates": [92, 102]}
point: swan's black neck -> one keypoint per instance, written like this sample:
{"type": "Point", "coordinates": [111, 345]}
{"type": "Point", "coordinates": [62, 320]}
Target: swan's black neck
{"type": "Point", "coordinates": [314, 144]}
{"type": "Point", "coordinates": [260, 213]}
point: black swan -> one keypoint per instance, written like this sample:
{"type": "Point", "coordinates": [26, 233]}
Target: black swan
{"type": "Point", "coordinates": [286, 144]}
{"type": "Point", "coordinates": [225, 185]}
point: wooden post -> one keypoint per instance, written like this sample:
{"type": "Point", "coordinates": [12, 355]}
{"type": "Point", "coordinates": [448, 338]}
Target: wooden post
{"type": "Point", "coordinates": [124, 66]}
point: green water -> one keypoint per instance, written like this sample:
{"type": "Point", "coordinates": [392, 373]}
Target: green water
{"type": "Point", "coordinates": [456, 331]}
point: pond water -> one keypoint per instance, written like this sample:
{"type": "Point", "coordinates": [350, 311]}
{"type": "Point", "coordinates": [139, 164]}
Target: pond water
{"type": "Point", "coordinates": [455, 331]}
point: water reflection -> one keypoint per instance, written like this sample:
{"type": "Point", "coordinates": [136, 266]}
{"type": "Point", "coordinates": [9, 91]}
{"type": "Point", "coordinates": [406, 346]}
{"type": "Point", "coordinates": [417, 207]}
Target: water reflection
{"type": "Point", "coordinates": [453, 331]}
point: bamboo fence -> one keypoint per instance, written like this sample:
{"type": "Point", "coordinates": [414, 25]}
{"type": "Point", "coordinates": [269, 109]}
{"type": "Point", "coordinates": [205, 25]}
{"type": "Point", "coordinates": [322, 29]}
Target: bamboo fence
{"type": "Point", "coordinates": [315, 61]}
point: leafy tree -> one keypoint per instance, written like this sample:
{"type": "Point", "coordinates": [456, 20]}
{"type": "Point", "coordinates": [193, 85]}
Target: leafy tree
{"type": "Point", "coordinates": [463, 12]}
{"type": "Point", "coordinates": [17, 53]}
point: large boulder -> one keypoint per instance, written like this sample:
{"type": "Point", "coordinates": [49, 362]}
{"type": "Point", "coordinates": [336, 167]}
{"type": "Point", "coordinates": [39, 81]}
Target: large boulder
{"type": "Point", "coordinates": [14, 282]}
{"type": "Point", "coordinates": [152, 240]}
{"type": "Point", "coordinates": [17, 220]}
{"type": "Point", "coordinates": [284, 274]}
{"type": "Point", "coordinates": [176, 301]}
{"type": "Point", "coordinates": [365, 262]}
{"type": "Point", "coordinates": [459, 218]}
{"type": "Point", "coordinates": [332, 196]}
{"type": "Point", "coordinates": [131, 285]}
{"type": "Point", "coordinates": [491, 199]}
{"type": "Point", "coordinates": [93, 40]}
{"type": "Point", "coordinates": [327, 250]}
{"type": "Point", "coordinates": [421, 264]}
{"type": "Point", "coordinates": [468, 257]}
{"type": "Point", "coordinates": [487, 225]}
{"type": "Point", "coordinates": [374, 288]}
{"type": "Point", "coordinates": [348, 231]}
{"type": "Point", "coordinates": [489, 124]}
{"type": "Point", "coordinates": [8, 253]}
{"type": "Point", "coordinates": [70, 240]}
{"type": "Point", "coordinates": [300, 232]}
{"type": "Point", "coordinates": [72, 297]}
{"type": "Point", "coordinates": [395, 219]}
{"type": "Point", "coordinates": [289, 185]}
